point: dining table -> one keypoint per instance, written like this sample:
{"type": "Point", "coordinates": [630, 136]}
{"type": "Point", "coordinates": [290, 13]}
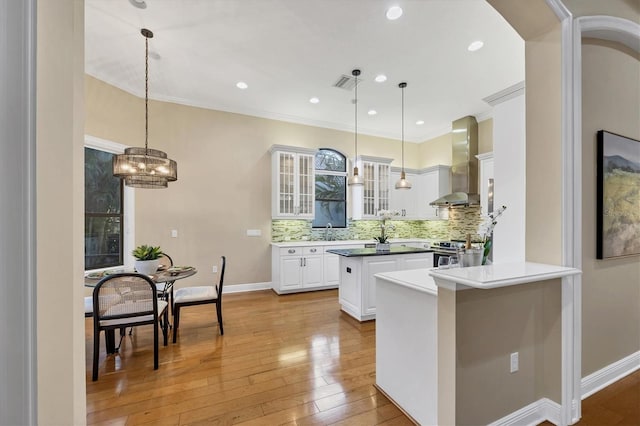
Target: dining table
{"type": "Point", "coordinates": [167, 276]}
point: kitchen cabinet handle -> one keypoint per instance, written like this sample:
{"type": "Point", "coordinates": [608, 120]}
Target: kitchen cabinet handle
{"type": "Point", "coordinates": [304, 262]}
{"type": "Point", "coordinates": [291, 251]}
{"type": "Point", "coordinates": [313, 250]}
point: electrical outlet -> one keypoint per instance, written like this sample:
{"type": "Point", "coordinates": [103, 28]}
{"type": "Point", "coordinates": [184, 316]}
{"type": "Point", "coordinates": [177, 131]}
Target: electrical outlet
{"type": "Point", "coordinates": [174, 233]}
{"type": "Point", "coordinates": [514, 362]}
{"type": "Point", "coordinates": [214, 269]}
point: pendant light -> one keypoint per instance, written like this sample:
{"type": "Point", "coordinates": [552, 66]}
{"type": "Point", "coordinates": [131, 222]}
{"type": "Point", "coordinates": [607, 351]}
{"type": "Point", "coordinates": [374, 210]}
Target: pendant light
{"type": "Point", "coordinates": [145, 167]}
{"type": "Point", "coordinates": [355, 179]}
{"type": "Point", "coordinates": [403, 183]}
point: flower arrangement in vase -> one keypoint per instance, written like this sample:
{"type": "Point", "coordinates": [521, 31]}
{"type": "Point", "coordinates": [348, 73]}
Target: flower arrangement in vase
{"type": "Point", "coordinates": [486, 231]}
{"type": "Point", "coordinates": [383, 239]}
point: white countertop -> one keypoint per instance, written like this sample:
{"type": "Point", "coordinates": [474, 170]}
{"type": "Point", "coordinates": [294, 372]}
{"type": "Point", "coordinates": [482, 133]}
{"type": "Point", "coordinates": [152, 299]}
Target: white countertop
{"type": "Point", "coordinates": [323, 243]}
{"type": "Point", "coordinates": [500, 275]}
{"type": "Point", "coordinates": [416, 279]}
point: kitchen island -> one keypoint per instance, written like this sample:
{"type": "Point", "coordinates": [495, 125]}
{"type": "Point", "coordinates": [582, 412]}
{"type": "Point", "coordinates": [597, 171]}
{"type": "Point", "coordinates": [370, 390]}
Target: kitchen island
{"type": "Point", "coordinates": [446, 340]}
{"type": "Point", "coordinates": [358, 267]}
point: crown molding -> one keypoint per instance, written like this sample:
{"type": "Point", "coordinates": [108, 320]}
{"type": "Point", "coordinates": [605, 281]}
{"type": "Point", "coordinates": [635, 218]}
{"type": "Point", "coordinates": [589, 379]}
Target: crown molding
{"type": "Point", "coordinates": [505, 94]}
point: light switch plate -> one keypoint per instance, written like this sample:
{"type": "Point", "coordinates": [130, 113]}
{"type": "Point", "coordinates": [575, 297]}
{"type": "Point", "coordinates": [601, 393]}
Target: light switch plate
{"type": "Point", "coordinates": [174, 233]}
{"type": "Point", "coordinates": [254, 232]}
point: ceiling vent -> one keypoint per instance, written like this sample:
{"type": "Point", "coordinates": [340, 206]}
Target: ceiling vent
{"type": "Point", "coordinates": [346, 82]}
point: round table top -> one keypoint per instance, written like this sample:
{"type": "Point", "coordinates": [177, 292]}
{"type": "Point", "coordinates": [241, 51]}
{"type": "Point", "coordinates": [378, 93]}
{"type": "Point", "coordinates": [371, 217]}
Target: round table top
{"type": "Point", "coordinates": [169, 275]}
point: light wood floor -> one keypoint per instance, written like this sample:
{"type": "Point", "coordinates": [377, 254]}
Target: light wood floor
{"type": "Point", "coordinates": [292, 359]}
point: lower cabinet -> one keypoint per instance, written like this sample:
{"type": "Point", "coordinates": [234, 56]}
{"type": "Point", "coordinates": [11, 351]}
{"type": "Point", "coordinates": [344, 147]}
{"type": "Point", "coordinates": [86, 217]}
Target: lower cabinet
{"type": "Point", "coordinates": [358, 282]}
{"type": "Point", "coordinates": [297, 268]}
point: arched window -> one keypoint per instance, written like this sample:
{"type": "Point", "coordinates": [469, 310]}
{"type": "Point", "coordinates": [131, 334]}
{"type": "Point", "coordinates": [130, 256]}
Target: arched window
{"type": "Point", "coordinates": [331, 189]}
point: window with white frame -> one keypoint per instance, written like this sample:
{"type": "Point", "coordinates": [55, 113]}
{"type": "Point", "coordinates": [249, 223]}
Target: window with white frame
{"type": "Point", "coordinates": [108, 213]}
{"type": "Point", "coordinates": [331, 189]}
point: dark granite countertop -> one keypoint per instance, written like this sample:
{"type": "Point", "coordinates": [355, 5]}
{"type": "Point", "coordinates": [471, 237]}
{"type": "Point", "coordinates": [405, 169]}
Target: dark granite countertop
{"type": "Point", "coordinates": [359, 252]}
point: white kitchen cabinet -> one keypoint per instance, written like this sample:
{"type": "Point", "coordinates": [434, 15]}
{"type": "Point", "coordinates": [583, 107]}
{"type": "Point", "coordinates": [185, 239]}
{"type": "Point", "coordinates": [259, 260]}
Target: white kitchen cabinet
{"type": "Point", "coordinates": [292, 182]}
{"type": "Point", "coordinates": [407, 201]}
{"type": "Point", "coordinates": [486, 182]}
{"type": "Point", "coordinates": [435, 184]}
{"type": "Point", "coordinates": [297, 269]}
{"type": "Point", "coordinates": [357, 295]}
{"type": "Point", "coordinates": [374, 195]}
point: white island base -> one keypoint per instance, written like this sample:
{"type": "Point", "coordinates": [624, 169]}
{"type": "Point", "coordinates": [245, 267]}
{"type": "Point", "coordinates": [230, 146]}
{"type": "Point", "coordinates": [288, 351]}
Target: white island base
{"type": "Point", "coordinates": [358, 267]}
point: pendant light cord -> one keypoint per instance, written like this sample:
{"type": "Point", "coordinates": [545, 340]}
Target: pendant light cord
{"type": "Point", "coordinates": [146, 95]}
{"type": "Point", "coordinates": [403, 126]}
{"type": "Point", "coordinates": [356, 118]}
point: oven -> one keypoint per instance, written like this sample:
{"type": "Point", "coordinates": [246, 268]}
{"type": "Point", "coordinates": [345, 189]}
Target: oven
{"type": "Point", "coordinates": [445, 249]}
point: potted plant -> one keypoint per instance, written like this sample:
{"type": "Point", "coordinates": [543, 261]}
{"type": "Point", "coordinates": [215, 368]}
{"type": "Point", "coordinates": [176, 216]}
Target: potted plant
{"type": "Point", "coordinates": [383, 239]}
{"type": "Point", "coordinates": [147, 259]}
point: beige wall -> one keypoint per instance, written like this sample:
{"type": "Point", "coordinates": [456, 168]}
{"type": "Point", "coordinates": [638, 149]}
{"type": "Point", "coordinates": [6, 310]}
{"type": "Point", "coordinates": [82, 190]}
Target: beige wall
{"type": "Point", "coordinates": [628, 9]}
{"type": "Point", "coordinates": [224, 176]}
{"type": "Point", "coordinates": [487, 326]}
{"type": "Point", "coordinates": [60, 213]}
{"type": "Point", "coordinates": [543, 148]}
{"type": "Point", "coordinates": [611, 288]}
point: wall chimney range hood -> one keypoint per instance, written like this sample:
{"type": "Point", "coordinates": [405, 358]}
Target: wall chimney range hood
{"type": "Point", "coordinates": [464, 169]}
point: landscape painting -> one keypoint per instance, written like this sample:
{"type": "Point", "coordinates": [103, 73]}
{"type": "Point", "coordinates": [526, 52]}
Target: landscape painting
{"type": "Point", "coordinates": [618, 211]}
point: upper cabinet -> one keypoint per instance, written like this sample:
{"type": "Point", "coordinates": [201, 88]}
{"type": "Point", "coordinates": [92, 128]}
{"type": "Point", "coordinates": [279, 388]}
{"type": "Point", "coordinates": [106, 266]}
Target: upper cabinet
{"type": "Point", "coordinates": [427, 185]}
{"type": "Point", "coordinates": [293, 182]}
{"type": "Point", "coordinates": [486, 182]}
{"type": "Point", "coordinates": [407, 202]}
{"type": "Point", "coordinates": [373, 196]}
{"type": "Point", "coordinates": [435, 184]}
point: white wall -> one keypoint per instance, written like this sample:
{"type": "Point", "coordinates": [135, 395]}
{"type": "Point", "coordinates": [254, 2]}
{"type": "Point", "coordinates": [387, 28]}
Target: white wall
{"type": "Point", "coordinates": [509, 179]}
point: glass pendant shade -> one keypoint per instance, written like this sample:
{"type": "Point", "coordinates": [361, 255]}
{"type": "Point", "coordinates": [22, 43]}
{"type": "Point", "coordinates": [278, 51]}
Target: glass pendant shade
{"type": "Point", "coordinates": [145, 167]}
{"type": "Point", "coordinates": [403, 183]}
{"type": "Point", "coordinates": [355, 179]}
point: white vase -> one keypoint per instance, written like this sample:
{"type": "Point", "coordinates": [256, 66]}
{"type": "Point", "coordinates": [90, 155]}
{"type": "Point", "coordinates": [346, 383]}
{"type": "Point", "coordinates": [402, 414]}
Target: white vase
{"type": "Point", "coordinates": [147, 267]}
{"type": "Point", "coordinates": [383, 247]}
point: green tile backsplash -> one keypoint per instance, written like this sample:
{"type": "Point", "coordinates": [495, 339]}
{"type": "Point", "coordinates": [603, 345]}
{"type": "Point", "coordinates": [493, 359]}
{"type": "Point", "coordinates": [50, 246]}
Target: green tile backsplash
{"type": "Point", "coordinates": [461, 221]}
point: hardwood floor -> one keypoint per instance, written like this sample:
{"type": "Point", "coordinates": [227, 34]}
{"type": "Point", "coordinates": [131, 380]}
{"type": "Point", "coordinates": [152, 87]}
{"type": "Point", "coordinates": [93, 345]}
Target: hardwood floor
{"type": "Point", "coordinates": [292, 359]}
{"type": "Point", "coordinates": [288, 360]}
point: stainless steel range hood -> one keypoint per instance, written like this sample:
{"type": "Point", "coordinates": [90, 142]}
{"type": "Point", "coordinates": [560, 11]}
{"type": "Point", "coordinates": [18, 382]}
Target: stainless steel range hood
{"type": "Point", "coordinates": [464, 171]}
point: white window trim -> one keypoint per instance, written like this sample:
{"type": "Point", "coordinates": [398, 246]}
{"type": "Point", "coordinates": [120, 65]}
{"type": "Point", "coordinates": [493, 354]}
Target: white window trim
{"type": "Point", "coordinates": [128, 198]}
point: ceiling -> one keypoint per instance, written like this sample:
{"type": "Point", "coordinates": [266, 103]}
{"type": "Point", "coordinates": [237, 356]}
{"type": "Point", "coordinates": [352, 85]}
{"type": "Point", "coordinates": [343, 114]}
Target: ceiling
{"type": "Point", "coordinates": [288, 51]}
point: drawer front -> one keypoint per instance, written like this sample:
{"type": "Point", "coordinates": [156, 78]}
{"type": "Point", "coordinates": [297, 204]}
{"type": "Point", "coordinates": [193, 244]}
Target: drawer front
{"type": "Point", "coordinates": [310, 251]}
{"type": "Point", "coordinates": [291, 251]}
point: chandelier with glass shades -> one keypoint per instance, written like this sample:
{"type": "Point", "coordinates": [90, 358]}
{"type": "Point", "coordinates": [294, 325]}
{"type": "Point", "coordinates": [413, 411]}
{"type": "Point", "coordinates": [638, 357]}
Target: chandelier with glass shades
{"type": "Point", "coordinates": [145, 167]}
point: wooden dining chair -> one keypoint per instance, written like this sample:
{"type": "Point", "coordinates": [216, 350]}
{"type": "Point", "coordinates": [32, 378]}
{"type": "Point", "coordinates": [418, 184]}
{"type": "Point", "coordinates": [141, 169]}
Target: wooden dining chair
{"type": "Point", "coordinates": [127, 300]}
{"type": "Point", "coordinates": [200, 295]}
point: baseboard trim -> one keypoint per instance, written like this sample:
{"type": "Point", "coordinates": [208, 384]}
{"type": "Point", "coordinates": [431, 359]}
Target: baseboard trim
{"type": "Point", "coordinates": [610, 374]}
{"type": "Point", "coordinates": [243, 288]}
{"type": "Point", "coordinates": [533, 414]}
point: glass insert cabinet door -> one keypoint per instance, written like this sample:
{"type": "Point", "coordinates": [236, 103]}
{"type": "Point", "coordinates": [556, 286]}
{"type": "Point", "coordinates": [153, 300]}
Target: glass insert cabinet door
{"type": "Point", "coordinates": [376, 187]}
{"type": "Point", "coordinates": [293, 185]}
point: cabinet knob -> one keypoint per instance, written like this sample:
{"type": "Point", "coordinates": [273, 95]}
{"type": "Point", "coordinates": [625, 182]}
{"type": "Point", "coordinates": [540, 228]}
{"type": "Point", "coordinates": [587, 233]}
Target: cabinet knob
{"type": "Point", "coordinates": [291, 251]}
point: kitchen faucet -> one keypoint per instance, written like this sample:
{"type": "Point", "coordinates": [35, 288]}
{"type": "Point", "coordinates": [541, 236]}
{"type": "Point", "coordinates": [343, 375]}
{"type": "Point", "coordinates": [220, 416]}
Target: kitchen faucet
{"type": "Point", "coordinates": [328, 231]}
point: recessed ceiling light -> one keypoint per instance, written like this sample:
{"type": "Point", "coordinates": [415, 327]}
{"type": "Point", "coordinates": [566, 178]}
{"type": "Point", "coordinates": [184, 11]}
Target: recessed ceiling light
{"type": "Point", "coordinates": [372, 112]}
{"type": "Point", "coordinates": [314, 100]}
{"type": "Point", "coordinates": [394, 12]}
{"type": "Point", "coordinates": [241, 85]}
{"type": "Point", "coordinates": [381, 78]}
{"type": "Point", "coordinates": [476, 45]}
{"type": "Point", "coordinates": [140, 4]}
{"type": "Point", "coordinates": [420, 122]}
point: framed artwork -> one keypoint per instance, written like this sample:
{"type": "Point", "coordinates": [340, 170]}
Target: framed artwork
{"type": "Point", "coordinates": [618, 186]}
